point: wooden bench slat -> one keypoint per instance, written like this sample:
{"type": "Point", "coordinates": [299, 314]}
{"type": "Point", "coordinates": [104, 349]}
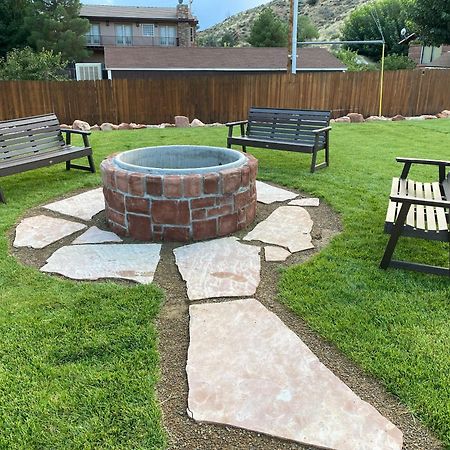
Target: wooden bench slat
{"type": "Point", "coordinates": [44, 147]}
{"type": "Point", "coordinates": [420, 209]}
{"type": "Point", "coordinates": [19, 125]}
{"type": "Point", "coordinates": [23, 134]}
{"type": "Point", "coordinates": [440, 212]}
{"type": "Point", "coordinates": [30, 140]}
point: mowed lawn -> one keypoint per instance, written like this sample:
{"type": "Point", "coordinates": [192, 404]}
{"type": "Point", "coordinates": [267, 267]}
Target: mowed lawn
{"type": "Point", "coordinates": [79, 361]}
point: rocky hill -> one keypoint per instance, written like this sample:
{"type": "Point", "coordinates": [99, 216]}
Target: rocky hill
{"type": "Point", "coordinates": [327, 15]}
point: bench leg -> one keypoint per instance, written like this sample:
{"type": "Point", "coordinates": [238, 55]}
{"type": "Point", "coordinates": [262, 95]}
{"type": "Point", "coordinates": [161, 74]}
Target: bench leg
{"type": "Point", "coordinates": [244, 149]}
{"type": "Point", "coordinates": [90, 168]}
{"type": "Point", "coordinates": [67, 165]}
{"type": "Point", "coordinates": [395, 235]}
{"type": "Point", "coordinates": [2, 197]}
{"type": "Point", "coordinates": [313, 161]}
{"type": "Point", "coordinates": [327, 154]}
{"type": "Point", "coordinates": [228, 145]}
{"type": "Point", "coordinates": [91, 163]}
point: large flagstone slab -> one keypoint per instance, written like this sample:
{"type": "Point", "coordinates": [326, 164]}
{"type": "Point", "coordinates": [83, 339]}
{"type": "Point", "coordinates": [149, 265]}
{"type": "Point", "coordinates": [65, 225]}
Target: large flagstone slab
{"type": "Point", "coordinates": [82, 206]}
{"type": "Point", "coordinates": [219, 268]}
{"type": "Point", "coordinates": [40, 231]}
{"type": "Point", "coordinates": [305, 202]}
{"type": "Point", "coordinates": [96, 236]}
{"type": "Point", "coordinates": [276, 253]}
{"type": "Point", "coordinates": [265, 193]}
{"type": "Point", "coordinates": [136, 262]}
{"type": "Point", "coordinates": [287, 226]}
{"type": "Point", "coordinates": [247, 369]}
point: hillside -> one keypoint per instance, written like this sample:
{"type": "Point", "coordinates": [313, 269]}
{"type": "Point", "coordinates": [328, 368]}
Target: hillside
{"type": "Point", "coordinates": [327, 15]}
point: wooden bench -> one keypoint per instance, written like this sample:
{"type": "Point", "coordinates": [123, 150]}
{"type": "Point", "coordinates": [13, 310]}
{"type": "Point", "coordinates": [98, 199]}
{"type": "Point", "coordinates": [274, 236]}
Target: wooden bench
{"type": "Point", "coordinates": [304, 131]}
{"type": "Point", "coordinates": [32, 142]}
{"type": "Point", "coordinates": [420, 210]}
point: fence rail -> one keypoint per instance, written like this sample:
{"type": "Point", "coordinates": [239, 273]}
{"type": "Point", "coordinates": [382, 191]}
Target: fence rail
{"type": "Point", "coordinates": [224, 97]}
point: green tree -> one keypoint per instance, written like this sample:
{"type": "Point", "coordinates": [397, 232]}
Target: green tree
{"type": "Point", "coordinates": [268, 30]}
{"type": "Point", "coordinates": [25, 64]}
{"type": "Point", "coordinates": [13, 33]}
{"type": "Point", "coordinates": [431, 20]}
{"type": "Point", "coordinates": [398, 62]}
{"type": "Point", "coordinates": [229, 39]}
{"type": "Point", "coordinates": [56, 25]}
{"type": "Point", "coordinates": [353, 61]}
{"type": "Point", "coordinates": [361, 25]}
{"type": "Point", "coordinates": [306, 29]}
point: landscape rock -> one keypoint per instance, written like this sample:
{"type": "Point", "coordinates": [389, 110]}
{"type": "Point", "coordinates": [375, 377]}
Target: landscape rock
{"type": "Point", "coordinates": [181, 121]}
{"type": "Point", "coordinates": [115, 127]}
{"type": "Point", "coordinates": [81, 125]}
{"type": "Point", "coordinates": [125, 126]}
{"type": "Point", "coordinates": [376, 119]}
{"type": "Point", "coordinates": [445, 113]}
{"type": "Point", "coordinates": [356, 117]}
{"type": "Point", "coordinates": [95, 128]}
{"type": "Point", "coordinates": [63, 125]}
{"type": "Point", "coordinates": [139, 126]}
{"type": "Point", "coordinates": [106, 126]}
{"type": "Point", "coordinates": [344, 119]}
{"type": "Point", "coordinates": [197, 123]}
{"type": "Point", "coordinates": [428, 116]}
{"type": "Point", "coordinates": [398, 117]}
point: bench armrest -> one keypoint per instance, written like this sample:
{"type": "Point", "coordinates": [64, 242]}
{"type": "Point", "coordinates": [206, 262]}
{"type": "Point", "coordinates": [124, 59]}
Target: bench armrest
{"type": "Point", "coordinates": [321, 130]}
{"type": "Point", "coordinates": [69, 132]}
{"type": "Point", "coordinates": [239, 122]}
{"type": "Point", "coordinates": [420, 201]}
{"type": "Point", "coordinates": [433, 162]}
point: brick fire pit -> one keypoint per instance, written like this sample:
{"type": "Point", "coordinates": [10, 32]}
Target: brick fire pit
{"type": "Point", "coordinates": [179, 193]}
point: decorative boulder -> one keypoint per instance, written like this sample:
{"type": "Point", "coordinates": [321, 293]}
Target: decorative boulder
{"type": "Point", "coordinates": [376, 119]}
{"type": "Point", "coordinates": [115, 127]}
{"type": "Point", "coordinates": [181, 121]}
{"type": "Point", "coordinates": [428, 116]}
{"type": "Point", "coordinates": [106, 126]}
{"type": "Point", "coordinates": [398, 117]}
{"type": "Point", "coordinates": [95, 128]}
{"type": "Point", "coordinates": [125, 126]}
{"type": "Point", "coordinates": [344, 119]}
{"type": "Point", "coordinates": [63, 125]}
{"type": "Point", "coordinates": [356, 117]}
{"type": "Point", "coordinates": [81, 125]}
{"type": "Point", "coordinates": [197, 123]}
{"type": "Point", "coordinates": [446, 113]}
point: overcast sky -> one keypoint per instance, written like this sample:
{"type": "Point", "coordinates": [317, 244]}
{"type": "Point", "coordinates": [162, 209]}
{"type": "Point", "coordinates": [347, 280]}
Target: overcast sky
{"type": "Point", "coordinates": [209, 12]}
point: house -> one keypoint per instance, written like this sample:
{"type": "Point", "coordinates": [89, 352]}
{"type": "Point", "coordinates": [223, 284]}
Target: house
{"type": "Point", "coordinates": [427, 56]}
{"type": "Point", "coordinates": [152, 62]}
{"type": "Point", "coordinates": [128, 27]}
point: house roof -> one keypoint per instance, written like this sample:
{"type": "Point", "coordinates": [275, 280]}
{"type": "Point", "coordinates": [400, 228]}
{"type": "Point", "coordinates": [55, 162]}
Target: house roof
{"type": "Point", "coordinates": [128, 12]}
{"type": "Point", "coordinates": [215, 58]}
{"type": "Point", "coordinates": [443, 61]}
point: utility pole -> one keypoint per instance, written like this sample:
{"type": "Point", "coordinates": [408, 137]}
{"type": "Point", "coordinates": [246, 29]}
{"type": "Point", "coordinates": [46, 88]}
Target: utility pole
{"type": "Point", "coordinates": [292, 41]}
{"type": "Point", "coordinates": [289, 49]}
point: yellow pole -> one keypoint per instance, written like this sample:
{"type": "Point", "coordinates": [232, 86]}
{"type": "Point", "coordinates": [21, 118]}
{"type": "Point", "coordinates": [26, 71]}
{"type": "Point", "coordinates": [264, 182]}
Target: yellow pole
{"type": "Point", "coordinates": [382, 81]}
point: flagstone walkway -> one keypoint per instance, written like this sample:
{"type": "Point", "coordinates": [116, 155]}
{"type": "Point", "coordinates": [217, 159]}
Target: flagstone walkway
{"type": "Point", "coordinates": [245, 368]}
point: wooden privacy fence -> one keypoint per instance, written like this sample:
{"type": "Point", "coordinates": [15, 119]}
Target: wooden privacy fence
{"type": "Point", "coordinates": [224, 97]}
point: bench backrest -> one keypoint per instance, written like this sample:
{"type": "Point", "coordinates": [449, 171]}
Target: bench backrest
{"type": "Point", "coordinates": [286, 124]}
{"type": "Point", "coordinates": [21, 138]}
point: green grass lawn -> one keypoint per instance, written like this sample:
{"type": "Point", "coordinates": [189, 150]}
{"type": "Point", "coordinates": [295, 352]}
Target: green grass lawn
{"type": "Point", "coordinates": [79, 363]}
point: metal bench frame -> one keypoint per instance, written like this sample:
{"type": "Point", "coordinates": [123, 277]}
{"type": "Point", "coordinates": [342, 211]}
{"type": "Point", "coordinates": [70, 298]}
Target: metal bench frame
{"type": "Point", "coordinates": [418, 210]}
{"type": "Point", "coordinates": [303, 131]}
{"type": "Point", "coordinates": [32, 142]}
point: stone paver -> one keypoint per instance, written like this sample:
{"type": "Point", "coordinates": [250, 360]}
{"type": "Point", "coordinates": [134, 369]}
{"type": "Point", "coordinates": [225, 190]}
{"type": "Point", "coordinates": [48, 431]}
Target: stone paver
{"type": "Point", "coordinates": [219, 268]}
{"type": "Point", "coordinates": [96, 236]}
{"type": "Point", "coordinates": [136, 262]}
{"type": "Point", "coordinates": [287, 226]}
{"type": "Point", "coordinates": [82, 206]}
{"type": "Point", "coordinates": [247, 369]}
{"type": "Point", "coordinates": [40, 231]}
{"type": "Point", "coordinates": [265, 193]}
{"type": "Point", "coordinates": [276, 253]}
{"type": "Point", "coordinates": [305, 202]}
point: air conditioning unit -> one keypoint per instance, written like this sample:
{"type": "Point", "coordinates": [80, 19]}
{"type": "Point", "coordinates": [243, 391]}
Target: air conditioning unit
{"type": "Point", "coordinates": [88, 71]}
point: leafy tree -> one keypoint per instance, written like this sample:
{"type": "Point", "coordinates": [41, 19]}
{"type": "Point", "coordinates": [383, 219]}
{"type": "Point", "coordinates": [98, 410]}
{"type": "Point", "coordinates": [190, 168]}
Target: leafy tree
{"type": "Point", "coordinates": [56, 25]}
{"type": "Point", "coordinates": [353, 61]}
{"type": "Point", "coordinates": [26, 64]}
{"type": "Point", "coordinates": [229, 39]}
{"type": "Point", "coordinates": [398, 62]}
{"type": "Point", "coordinates": [12, 31]}
{"type": "Point", "coordinates": [268, 30]}
{"type": "Point", "coordinates": [431, 19]}
{"type": "Point", "coordinates": [208, 41]}
{"type": "Point", "coordinates": [361, 25]}
{"type": "Point", "coordinates": [306, 29]}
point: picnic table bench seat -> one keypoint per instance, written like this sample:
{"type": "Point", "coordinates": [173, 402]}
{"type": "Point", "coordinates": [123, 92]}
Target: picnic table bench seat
{"type": "Point", "coordinates": [418, 209]}
{"type": "Point", "coordinates": [304, 131]}
{"type": "Point", "coordinates": [32, 142]}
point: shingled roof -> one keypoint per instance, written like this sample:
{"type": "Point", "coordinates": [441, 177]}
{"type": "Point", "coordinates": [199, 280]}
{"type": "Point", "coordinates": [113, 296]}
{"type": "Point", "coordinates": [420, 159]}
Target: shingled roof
{"type": "Point", "coordinates": [212, 58]}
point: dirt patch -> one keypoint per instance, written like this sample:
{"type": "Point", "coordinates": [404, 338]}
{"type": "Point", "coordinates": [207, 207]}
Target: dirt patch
{"type": "Point", "coordinates": [173, 328]}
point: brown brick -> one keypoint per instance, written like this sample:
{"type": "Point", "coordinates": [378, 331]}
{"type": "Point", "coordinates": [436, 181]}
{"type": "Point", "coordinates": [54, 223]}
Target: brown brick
{"type": "Point", "coordinates": [251, 212]}
{"type": "Point", "coordinates": [137, 205]}
{"type": "Point", "coordinates": [170, 212]}
{"type": "Point", "coordinates": [121, 231]}
{"type": "Point", "coordinates": [136, 184]}
{"type": "Point", "coordinates": [225, 200]}
{"type": "Point", "coordinates": [122, 180]}
{"type": "Point", "coordinates": [198, 214]}
{"type": "Point", "coordinates": [211, 183]}
{"type": "Point", "coordinates": [157, 228]}
{"type": "Point", "coordinates": [139, 227]}
{"type": "Point", "coordinates": [241, 215]}
{"type": "Point", "coordinates": [192, 185]}
{"type": "Point", "coordinates": [242, 199]}
{"type": "Point", "coordinates": [253, 164]}
{"type": "Point", "coordinates": [114, 200]}
{"type": "Point", "coordinates": [158, 236]}
{"type": "Point", "coordinates": [228, 224]}
{"type": "Point", "coordinates": [204, 229]}
{"type": "Point", "coordinates": [245, 174]}
{"type": "Point", "coordinates": [176, 234]}
{"type": "Point", "coordinates": [219, 211]}
{"type": "Point", "coordinates": [154, 185]}
{"type": "Point", "coordinates": [173, 186]}
{"type": "Point", "coordinates": [115, 216]}
{"type": "Point", "coordinates": [231, 180]}
{"type": "Point", "coordinates": [205, 202]}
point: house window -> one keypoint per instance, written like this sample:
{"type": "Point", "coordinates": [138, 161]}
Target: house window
{"type": "Point", "coordinates": [124, 35]}
{"type": "Point", "coordinates": [168, 35]}
{"type": "Point", "coordinates": [192, 34]}
{"type": "Point", "coordinates": [93, 35]}
{"type": "Point", "coordinates": [148, 29]}
{"type": "Point", "coordinates": [429, 54]}
{"type": "Point", "coordinates": [88, 71]}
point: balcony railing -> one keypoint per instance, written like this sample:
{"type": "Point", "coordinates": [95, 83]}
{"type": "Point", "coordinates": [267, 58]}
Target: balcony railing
{"type": "Point", "coordinates": [96, 40]}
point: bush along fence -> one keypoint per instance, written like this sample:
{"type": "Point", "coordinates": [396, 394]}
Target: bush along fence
{"type": "Point", "coordinates": [225, 97]}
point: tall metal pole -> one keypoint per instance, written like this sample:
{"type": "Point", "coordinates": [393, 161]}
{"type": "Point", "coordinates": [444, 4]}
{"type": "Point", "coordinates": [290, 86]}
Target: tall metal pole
{"type": "Point", "coordinates": [382, 80]}
{"type": "Point", "coordinates": [294, 37]}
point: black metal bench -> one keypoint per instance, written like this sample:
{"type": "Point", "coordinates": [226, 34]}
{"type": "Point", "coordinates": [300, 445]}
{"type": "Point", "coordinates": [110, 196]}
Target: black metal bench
{"type": "Point", "coordinates": [418, 210]}
{"type": "Point", "coordinates": [32, 142]}
{"type": "Point", "coordinates": [304, 131]}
